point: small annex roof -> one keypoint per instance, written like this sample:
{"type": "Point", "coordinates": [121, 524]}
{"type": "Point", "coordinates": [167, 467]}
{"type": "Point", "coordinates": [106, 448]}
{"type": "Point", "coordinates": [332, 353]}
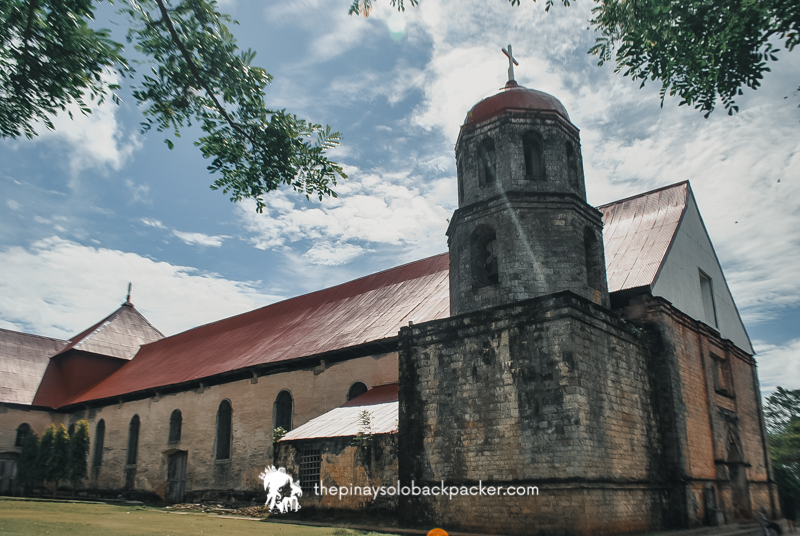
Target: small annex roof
{"type": "Point", "coordinates": [380, 402]}
{"type": "Point", "coordinates": [369, 309]}
{"type": "Point", "coordinates": [638, 232]}
{"type": "Point", "coordinates": [120, 334]}
{"type": "Point", "coordinates": [23, 360]}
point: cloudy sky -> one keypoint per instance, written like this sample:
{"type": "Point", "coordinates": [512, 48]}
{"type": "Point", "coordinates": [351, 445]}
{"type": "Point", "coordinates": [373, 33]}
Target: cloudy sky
{"type": "Point", "coordinates": [96, 204]}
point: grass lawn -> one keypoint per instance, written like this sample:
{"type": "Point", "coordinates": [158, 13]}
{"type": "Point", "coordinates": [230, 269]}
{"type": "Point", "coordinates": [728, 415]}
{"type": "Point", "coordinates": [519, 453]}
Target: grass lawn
{"type": "Point", "coordinates": [42, 518]}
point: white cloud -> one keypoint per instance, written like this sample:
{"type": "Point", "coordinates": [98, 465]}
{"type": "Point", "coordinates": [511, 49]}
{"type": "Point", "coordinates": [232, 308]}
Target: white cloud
{"type": "Point", "coordinates": [200, 239]}
{"type": "Point", "coordinates": [95, 140]}
{"type": "Point", "coordinates": [327, 254]}
{"type": "Point", "coordinates": [153, 223]}
{"type": "Point", "coordinates": [140, 193]}
{"type": "Point", "coordinates": [371, 210]}
{"type": "Point", "coordinates": [13, 205]}
{"type": "Point", "coordinates": [58, 288]}
{"type": "Point", "coordinates": [778, 365]}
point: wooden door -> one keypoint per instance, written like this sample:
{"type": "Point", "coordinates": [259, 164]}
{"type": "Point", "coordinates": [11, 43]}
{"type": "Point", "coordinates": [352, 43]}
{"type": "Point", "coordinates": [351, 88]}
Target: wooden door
{"type": "Point", "coordinates": [176, 473]}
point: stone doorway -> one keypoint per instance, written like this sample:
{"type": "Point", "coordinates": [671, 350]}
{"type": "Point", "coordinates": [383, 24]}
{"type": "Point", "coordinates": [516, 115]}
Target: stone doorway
{"type": "Point", "coordinates": [737, 475]}
{"type": "Point", "coordinates": [176, 474]}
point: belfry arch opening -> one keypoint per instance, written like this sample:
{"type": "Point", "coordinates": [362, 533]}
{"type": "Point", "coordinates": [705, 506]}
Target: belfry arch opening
{"type": "Point", "coordinates": [572, 166]}
{"type": "Point", "coordinates": [593, 258]}
{"type": "Point", "coordinates": [488, 162]}
{"type": "Point", "coordinates": [532, 148]}
{"type": "Point", "coordinates": [484, 257]}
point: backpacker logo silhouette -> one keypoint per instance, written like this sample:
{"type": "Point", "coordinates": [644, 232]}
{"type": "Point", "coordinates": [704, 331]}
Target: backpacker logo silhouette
{"type": "Point", "coordinates": [282, 492]}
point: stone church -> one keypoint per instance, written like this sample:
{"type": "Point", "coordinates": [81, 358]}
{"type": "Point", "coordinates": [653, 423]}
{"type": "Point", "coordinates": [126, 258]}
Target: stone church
{"type": "Point", "coordinates": [593, 353]}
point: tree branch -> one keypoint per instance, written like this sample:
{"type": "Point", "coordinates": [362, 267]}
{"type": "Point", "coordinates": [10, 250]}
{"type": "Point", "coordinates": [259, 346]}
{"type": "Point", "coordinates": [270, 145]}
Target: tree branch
{"type": "Point", "coordinates": [192, 67]}
{"type": "Point", "coordinates": [26, 39]}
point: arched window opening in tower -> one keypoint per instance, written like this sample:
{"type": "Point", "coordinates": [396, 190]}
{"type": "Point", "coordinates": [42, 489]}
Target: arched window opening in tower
{"type": "Point", "coordinates": [593, 256]}
{"type": "Point", "coordinates": [224, 414]}
{"type": "Point", "coordinates": [99, 439]}
{"type": "Point", "coordinates": [133, 440]}
{"type": "Point", "coordinates": [488, 160]}
{"type": "Point", "coordinates": [534, 156]}
{"type": "Point", "coordinates": [357, 389]}
{"type": "Point", "coordinates": [484, 257]}
{"type": "Point", "coordinates": [283, 410]}
{"type": "Point", "coordinates": [175, 424]}
{"type": "Point", "coordinates": [572, 166]}
{"type": "Point", "coordinates": [460, 176]}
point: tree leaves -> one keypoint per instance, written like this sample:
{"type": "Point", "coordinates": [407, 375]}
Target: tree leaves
{"type": "Point", "coordinates": [49, 58]}
{"type": "Point", "coordinates": [196, 75]}
{"type": "Point", "coordinates": [704, 51]}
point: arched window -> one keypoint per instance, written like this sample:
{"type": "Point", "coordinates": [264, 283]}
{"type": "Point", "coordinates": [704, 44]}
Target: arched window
{"type": "Point", "coordinates": [532, 148]}
{"type": "Point", "coordinates": [357, 389]}
{"type": "Point", "coordinates": [99, 439]}
{"type": "Point", "coordinates": [22, 431]}
{"type": "Point", "coordinates": [224, 414]}
{"type": "Point", "coordinates": [572, 166]}
{"type": "Point", "coordinates": [175, 423]}
{"type": "Point", "coordinates": [488, 162]}
{"type": "Point", "coordinates": [484, 257]}
{"type": "Point", "coordinates": [133, 440]}
{"type": "Point", "coordinates": [283, 410]}
{"type": "Point", "coordinates": [594, 271]}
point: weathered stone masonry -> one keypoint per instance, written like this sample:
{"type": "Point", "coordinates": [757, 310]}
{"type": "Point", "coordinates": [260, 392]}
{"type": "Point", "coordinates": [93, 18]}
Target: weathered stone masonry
{"type": "Point", "coordinates": [553, 392]}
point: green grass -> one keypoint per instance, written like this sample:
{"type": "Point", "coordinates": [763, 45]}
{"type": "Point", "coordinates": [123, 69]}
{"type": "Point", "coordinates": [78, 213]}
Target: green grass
{"type": "Point", "coordinates": [43, 518]}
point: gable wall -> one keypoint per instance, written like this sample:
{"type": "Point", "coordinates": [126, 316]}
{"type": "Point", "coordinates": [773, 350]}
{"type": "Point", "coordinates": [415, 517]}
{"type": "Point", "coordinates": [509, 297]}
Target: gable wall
{"type": "Point", "coordinates": [679, 280]}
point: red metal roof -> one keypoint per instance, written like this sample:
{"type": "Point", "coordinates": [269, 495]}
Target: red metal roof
{"type": "Point", "coordinates": [637, 233]}
{"type": "Point", "coordinates": [380, 402]}
{"type": "Point", "coordinates": [368, 309]}
{"type": "Point", "coordinates": [514, 97]}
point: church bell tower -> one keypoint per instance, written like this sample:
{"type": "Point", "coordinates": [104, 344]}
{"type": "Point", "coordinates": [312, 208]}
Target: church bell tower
{"type": "Point", "coordinates": [523, 228]}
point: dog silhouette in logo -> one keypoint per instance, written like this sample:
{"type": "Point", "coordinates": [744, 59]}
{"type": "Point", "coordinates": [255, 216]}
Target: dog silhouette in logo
{"type": "Point", "coordinates": [282, 491]}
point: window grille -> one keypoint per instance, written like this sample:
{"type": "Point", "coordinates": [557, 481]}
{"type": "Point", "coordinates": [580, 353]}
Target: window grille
{"type": "Point", "coordinates": [310, 462]}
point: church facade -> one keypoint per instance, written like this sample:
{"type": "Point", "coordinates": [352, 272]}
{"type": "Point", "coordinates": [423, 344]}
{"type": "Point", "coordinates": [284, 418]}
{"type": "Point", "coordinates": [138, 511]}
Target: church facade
{"type": "Point", "coordinates": [593, 353]}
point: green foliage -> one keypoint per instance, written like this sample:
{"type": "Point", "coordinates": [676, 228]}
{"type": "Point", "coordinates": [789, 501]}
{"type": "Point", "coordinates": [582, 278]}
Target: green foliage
{"type": "Point", "coordinates": [782, 407]}
{"type": "Point", "coordinates": [782, 412]}
{"type": "Point", "coordinates": [58, 463]}
{"type": "Point", "coordinates": [78, 453]}
{"type": "Point", "coordinates": [700, 50]}
{"type": "Point", "coordinates": [365, 434]}
{"type": "Point", "coordinates": [277, 434]}
{"type": "Point", "coordinates": [28, 469]}
{"type": "Point", "coordinates": [46, 451]}
{"type": "Point", "coordinates": [195, 74]}
{"type": "Point", "coordinates": [49, 58]}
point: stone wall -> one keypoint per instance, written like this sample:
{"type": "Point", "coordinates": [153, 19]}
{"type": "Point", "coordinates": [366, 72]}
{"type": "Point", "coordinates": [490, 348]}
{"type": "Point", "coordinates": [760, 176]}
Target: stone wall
{"type": "Point", "coordinates": [553, 392]}
{"type": "Point", "coordinates": [707, 410]}
{"type": "Point", "coordinates": [345, 465]}
{"type": "Point", "coordinates": [315, 390]}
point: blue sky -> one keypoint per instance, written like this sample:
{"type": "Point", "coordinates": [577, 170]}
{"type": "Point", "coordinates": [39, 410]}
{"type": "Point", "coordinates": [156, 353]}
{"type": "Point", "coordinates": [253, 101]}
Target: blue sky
{"type": "Point", "coordinates": [95, 204]}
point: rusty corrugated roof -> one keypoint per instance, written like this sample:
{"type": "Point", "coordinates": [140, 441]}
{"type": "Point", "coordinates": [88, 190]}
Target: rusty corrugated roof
{"type": "Point", "coordinates": [368, 309]}
{"type": "Point", "coordinates": [23, 360]}
{"type": "Point", "coordinates": [120, 334]}
{"type": "Point", "coordinates": [637, 233]}
{"type": "Point", "coordinates": [380, 402]}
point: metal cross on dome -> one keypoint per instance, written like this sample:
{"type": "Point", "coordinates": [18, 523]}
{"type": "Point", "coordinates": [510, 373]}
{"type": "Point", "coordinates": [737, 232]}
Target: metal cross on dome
{"type": "Point", "coordinates": [511, 63]}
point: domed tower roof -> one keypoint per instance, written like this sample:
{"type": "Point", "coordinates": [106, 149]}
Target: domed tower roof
{"type": "Point", "coordinates": [514, 97]}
